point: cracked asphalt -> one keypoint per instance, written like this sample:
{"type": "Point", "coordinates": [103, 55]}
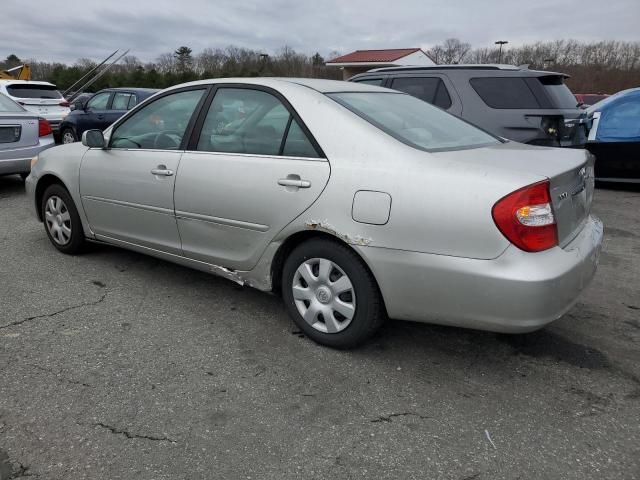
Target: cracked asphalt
{"type": "Point", "coordinates": [114, 365]}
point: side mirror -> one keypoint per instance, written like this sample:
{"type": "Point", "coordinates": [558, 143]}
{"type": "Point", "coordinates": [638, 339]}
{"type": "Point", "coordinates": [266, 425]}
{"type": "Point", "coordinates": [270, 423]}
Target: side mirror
{"type": "Point", "coordinates": [93, 139]}
{"type": "Point", "coordinates": [78, 105]}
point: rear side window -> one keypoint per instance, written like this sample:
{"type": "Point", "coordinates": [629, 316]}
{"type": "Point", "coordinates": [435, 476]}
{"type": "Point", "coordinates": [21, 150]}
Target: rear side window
{"type": "Point", "coordinates": [430, 89]}
{"type": "Point", "coordinates": [371, 81]}
{"type": "Point", "coordinates": [505, 92]}
{"type": "Point", "coordinates": [242, 120]}
{"type": "Point", "coordinates": [558, 92]}
{"type": "Point", "coordinates": [120, 101]}
{"type": "Point", "coordinates": [33, 91]}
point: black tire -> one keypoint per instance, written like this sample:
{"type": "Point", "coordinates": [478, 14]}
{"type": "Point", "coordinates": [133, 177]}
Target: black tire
{"type": "Point", "coordinates": [369, 308]}
{"type": "Point", "coordinates": [70, 133]}
{"type": "Point", "coordinates": [76, 239]}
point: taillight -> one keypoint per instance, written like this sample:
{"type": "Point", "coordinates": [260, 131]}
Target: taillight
{"type": "Point", "coordinates": [44, 128]}
{"type": "Point", "coordinates": [64, 104]}
{"type": "Point", "coordinates": [526, 218]}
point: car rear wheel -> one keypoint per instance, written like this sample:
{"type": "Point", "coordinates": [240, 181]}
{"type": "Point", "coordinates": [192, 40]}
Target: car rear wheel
{"type": "Point", "coordinates": [330, 294]}
{"type": "Point", "coordinates": [61, 220]}
{"type": "Point", "coordinates": [68, 136]}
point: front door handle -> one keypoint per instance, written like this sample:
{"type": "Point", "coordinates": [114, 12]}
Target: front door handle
{"type": "Point", "coordinates": [293, 182]}
{"type": "Point", "coordinates": [162, 171]}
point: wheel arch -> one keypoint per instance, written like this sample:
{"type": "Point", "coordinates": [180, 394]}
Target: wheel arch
{"type": "Point", "coordinates": [43, 183]}
{"type": "Point", "coordinates": [297, 238]}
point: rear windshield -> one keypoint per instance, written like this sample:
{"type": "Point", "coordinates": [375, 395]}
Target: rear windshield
{"type": "Point", "coordinates": [34, 91]}
{"type": "Point", "coordinates": [8, 105]}
{"type": "Point", "coordinates": [558, 92]}
{"type": "Point", "coordinates": [414, 122]}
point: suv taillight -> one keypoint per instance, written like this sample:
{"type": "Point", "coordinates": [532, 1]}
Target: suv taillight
{"type": "Point", "coordinates": [64, 103]}
{"type": "Point", "coordinates": [526, 218]}
{"type": "Point", "coordinates": [44, 128]}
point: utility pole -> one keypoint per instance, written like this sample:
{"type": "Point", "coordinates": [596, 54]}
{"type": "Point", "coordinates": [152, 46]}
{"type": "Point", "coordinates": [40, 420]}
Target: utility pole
{"type": "Point", "coordinates": [500, 42]}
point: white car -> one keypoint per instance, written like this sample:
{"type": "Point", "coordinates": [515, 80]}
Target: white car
{"type": "Point", "coordinates": [41, 98]}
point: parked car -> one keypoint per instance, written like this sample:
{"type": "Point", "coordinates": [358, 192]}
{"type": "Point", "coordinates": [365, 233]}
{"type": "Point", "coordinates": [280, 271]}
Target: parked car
{"type": "Point", "coordinates": [587, 99]}
{"type": "Point", "coordinates": [41, 98]}
{"type": "Point", "coordinates": [523, 105]}
{"type": "Point", "coordinates": [614, 136]}
{"type": "Point", "coordinates": [101, 110]}
{"type": "Point", "coordinates": [355, 202]}
{"type": "Point", "coordinates": [22, 136]}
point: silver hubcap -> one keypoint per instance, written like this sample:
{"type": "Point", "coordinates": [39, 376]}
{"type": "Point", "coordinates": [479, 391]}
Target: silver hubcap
{"type": "Point", "coordinates": [58, 220]}
{"type": "Point", "coordinates": [324, 295]}
{"type": "Point", "coordinates": [68, 137]}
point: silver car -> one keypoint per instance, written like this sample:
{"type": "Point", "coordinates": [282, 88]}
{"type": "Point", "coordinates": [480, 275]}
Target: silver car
{"type": "Point", "coordinates": [22, 136]}
{"type": "Point", "coordinates": [354, 202]}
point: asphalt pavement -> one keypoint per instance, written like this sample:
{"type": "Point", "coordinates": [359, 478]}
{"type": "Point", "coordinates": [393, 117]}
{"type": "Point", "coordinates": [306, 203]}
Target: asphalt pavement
{"type": "Point", "coordinates": [114, 365]}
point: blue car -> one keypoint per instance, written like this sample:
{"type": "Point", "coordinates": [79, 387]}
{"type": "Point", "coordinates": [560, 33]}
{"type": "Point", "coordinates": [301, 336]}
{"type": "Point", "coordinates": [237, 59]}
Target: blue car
{"type": "Point", "coordinates": [614, 136]}
{"type": "Point", "coordinates": [100, 111]}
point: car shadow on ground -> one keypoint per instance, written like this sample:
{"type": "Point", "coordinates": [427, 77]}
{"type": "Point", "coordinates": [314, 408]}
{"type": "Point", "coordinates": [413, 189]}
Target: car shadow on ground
{"type": "Point", "coordinates": [10, 185]}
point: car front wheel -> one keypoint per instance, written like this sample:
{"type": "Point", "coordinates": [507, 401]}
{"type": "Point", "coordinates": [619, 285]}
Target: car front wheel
{"type": "Point", "coordinates": [61, 220]}
{"type": "Point", "coordinates": [330, 294]}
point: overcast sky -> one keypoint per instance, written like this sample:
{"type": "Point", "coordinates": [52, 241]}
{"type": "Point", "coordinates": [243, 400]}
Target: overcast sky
{"type": "Point", "coordinates": [70, 29]}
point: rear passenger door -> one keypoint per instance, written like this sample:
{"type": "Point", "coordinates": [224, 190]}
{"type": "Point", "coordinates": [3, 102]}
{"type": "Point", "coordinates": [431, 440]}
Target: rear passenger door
{"type": "Point", "coordinates": [434, 89]}
{"type": "Point", "coordinates": [250, 169]}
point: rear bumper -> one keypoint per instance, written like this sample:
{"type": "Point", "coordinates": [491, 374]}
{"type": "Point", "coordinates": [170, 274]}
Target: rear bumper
{"type": "Point", "coordinates": [19, 160]}
{"type": "Point", "coordinates": [514, 293]}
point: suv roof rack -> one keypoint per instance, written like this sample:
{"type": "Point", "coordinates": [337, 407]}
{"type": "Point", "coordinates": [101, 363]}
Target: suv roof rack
{"type": "Point", "coordinates": [493, 66]}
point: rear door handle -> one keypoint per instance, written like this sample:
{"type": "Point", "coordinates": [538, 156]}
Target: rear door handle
{"type": "Point", "coordinates": [162, 171]}
{"type": "Point", "coordinates": [292, 182]}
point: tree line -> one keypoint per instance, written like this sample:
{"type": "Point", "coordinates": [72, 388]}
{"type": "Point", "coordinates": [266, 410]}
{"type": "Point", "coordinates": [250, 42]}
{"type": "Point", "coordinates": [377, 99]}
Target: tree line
{"type": "Point", "coordinates": [606, 66]}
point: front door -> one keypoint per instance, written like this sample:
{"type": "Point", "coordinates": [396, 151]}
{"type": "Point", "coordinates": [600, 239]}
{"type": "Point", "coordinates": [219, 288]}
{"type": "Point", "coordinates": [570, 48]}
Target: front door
{"type": "Point", "coordinates": [127, 189]}
{"type": "Point", "coordinates": [253, 170]}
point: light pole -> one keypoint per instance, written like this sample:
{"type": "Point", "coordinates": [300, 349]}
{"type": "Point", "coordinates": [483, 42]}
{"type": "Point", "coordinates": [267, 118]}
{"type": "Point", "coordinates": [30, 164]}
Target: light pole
{"type": "Point", "coordinates": [500, 42]}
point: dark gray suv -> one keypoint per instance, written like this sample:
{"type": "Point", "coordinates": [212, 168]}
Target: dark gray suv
{"type": "Point", "coordinates": [527, 106]}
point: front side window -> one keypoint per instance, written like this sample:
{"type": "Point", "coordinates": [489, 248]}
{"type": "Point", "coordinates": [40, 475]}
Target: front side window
{"type": "Point", "coordinates": [160, 125]}
{"type": "Point", "coordinates": [120, 101]}
{"type": "Point", "coordinates": [242, 120]}
{"type": "Point", "coordinates": [414, 122]}
{"type": "Point", "coordinates": [99, 102]}
{"type": "Point", "coordinates": [430, 89]}
{"type": "Point", "coordinates": [505, 92]}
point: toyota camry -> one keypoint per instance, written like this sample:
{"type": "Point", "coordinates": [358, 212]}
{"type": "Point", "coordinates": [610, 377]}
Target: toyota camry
{"type": "Point", "coordinates": [353, 202]}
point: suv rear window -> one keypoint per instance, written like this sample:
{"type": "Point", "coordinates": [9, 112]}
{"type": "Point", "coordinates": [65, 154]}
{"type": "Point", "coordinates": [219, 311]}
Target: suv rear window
{"type": "Point", "coordinates": [33, 91]}
{"type": "Point", "coordinates": [430, 89]}
{"type": "Point", "coordinates": [559, 93]}
{"type": "Point", "coordinates": [505, 92]}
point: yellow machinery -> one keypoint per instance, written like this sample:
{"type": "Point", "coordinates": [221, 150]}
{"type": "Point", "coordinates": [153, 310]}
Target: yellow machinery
{"type": "Point", "coordinates": [21, 72]}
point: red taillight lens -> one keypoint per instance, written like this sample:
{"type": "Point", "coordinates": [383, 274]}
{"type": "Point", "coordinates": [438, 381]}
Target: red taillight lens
{"type": "Point", "coordinates": [64, 104]}
{"type": "Point", "coordinates": [526, 218]}
{"type": "Point", "coordinates": [44, 128]}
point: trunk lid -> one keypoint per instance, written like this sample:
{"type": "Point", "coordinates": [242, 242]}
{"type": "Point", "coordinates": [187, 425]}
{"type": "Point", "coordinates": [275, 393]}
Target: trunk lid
{"type": "Point", "coordinates": [18, 131]}
{"type": "Point", "coordinates": [570, 173]}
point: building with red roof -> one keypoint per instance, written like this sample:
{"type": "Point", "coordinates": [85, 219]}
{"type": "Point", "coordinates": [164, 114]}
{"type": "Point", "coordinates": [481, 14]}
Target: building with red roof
{"type": "Point", "coordinates": [362, 60]}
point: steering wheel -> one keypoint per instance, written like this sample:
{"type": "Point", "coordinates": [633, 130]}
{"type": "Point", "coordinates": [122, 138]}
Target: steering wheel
{"type": "Point", "coordinates": [167, 140]}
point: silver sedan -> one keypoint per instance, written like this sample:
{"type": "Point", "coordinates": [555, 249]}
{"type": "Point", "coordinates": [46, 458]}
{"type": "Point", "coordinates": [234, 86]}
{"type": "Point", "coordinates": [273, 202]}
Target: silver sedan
{"type": "Point", "coordinates": [355, 203]}
{"type": "Point", "coordinates": [22, 135]}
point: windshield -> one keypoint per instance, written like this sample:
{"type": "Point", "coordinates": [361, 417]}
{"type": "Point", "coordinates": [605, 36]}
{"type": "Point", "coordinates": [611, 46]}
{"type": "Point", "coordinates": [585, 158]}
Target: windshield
{"type": "Point", "coordinates": [8, 105]}
{"type": "Point", "coordinates": [33, 91]}
{"type": "Point", "coordinates": [414, 122]}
